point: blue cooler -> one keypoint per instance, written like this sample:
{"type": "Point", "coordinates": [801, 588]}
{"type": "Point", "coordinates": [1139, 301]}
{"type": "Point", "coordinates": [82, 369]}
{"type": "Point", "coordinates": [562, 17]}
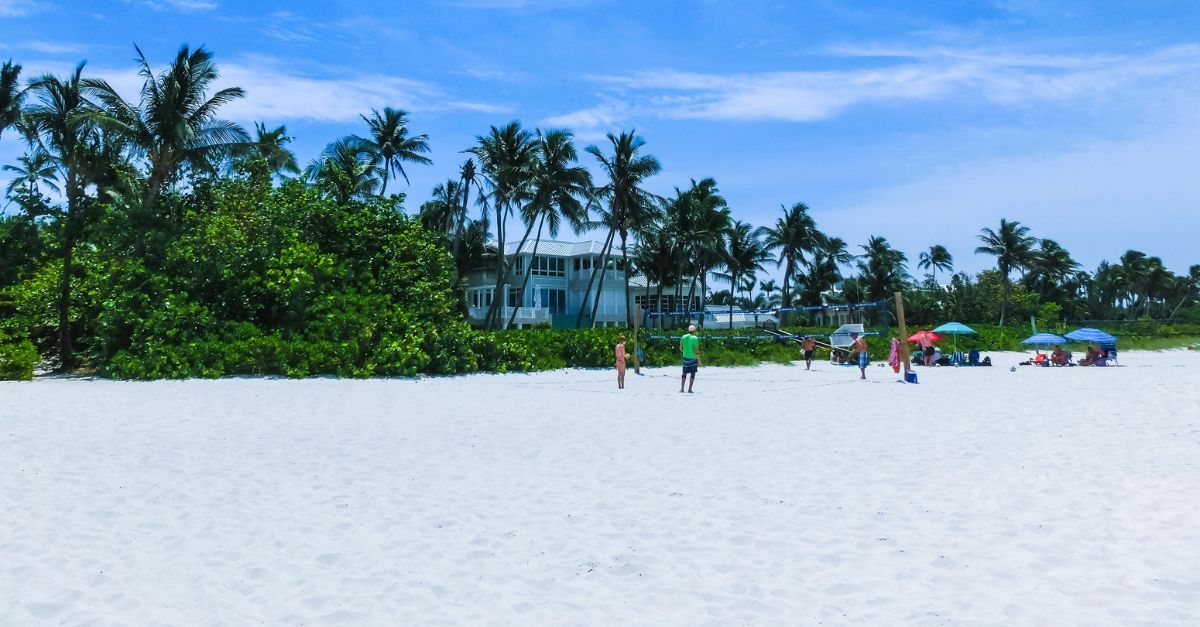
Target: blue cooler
{"type": "Point", "coordinates": [910, 377]}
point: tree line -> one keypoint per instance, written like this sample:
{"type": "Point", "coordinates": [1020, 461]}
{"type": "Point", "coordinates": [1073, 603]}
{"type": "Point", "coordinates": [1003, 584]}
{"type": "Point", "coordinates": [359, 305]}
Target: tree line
{"type": "Point", "coordinates": [93, 156]}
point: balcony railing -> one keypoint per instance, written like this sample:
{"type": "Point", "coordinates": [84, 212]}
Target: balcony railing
{"type": "Point", "coordinates": [524, 314]}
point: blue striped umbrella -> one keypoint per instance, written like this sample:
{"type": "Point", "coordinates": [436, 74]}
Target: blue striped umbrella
{"type": "Point", "coordinates": [1043, 339]}
{"type": "Point", "coordinates": [1088, 334]}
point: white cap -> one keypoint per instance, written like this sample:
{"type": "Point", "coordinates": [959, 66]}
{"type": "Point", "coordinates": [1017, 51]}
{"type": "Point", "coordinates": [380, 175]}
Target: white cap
{"type": "Point", "coordinates": [691, 328]}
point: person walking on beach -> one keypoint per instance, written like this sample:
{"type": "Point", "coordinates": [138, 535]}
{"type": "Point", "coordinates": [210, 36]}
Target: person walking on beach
{"type": "Point", "coordinates": [859, 349]}
{"type": "Point", "coordinates": [809, 346]}
{"type": "Point", "coordinates": [621, 359]}
{"type": "Point", "coordinates": [689, 347]}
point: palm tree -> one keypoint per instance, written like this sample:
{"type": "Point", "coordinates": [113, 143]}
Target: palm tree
{"type": "Point", "coordinates": [1050, 266]}
{"type": "Point", "coordinates": [555, 191]}
{"type": "Point", "coordinates": [936, 258]}
{"type": "Point", "coordinates": [744, 254]}
{"type": "Point", "coordinates": [1188, 285]}
{"type": "Point", "coordinates": [468, 176]}
{"type": "Point", "coordinates": [271, 146]}
{"type": "Point", "coordinates": [1012, 247]}
{"type": "Point", "coordinates": [630, 207]}
{"type": "Point", "coordinates": [768, 289]}
{"type": "Point", "coordinates": [175, 124]}
{"type": "Point", "coordinates": [36, 170]}
{"type": "Point", "coordinates": [344, 171]}
{"type": "Point", "coordinates": [881, 268]}
{"type": "Point", "coordinates": [11, 95]}
{"type": "Point", "coordinates": [391, 145]}
{"type": "Point", "coordinates": [506, 156]}
{"type": "Point", "coordinates": [58, 119]}
{"type": "Point", "coordinates": [698, 220]}
{"type": "Point", "coordinates": [792, 235]}
{"type": "Point", "coordinates": [443, 213]}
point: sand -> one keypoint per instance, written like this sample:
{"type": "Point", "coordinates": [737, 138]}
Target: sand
{"type": "Point", "coordinates": [772, 496]}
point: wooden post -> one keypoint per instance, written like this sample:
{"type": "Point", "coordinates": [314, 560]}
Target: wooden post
{"type": "Point", "coordinates": [637, 322]}
{"type": "Point", "coordinates": [904, 357]}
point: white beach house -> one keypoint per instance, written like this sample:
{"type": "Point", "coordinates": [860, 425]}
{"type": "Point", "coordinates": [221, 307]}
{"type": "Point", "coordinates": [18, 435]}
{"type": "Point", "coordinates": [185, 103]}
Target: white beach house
{"type": "Point", "coordinates": [559, 277]}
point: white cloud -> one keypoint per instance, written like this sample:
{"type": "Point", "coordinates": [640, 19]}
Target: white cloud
{"type": "Point", "coordinates": [899, 75]}
{"type": "Point", "coordinates": [20, 8]}
{"type": "Point", "coordinates": [1097, 198]}
{"type": "Point", "coordinates": [276, 93]}
{"type": "Point", "coordinates": [178, 5]}
{"type": "Point", "coordinates": [52, 47]}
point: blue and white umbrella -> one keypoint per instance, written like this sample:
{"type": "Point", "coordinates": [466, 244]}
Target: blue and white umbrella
{"type": "Point", "coordinates": [1088, 334]}
{"type": "Point", "coordinates": [1044, 339]}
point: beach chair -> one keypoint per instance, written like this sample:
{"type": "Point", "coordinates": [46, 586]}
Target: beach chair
{"type": "Point", "coordinates": [1110, 352]}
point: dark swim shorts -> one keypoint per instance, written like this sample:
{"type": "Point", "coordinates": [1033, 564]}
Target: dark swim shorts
{"type": "Point", "coordinates": [808, 354]}
{"type": "Point", "coordinates": [689, 365]}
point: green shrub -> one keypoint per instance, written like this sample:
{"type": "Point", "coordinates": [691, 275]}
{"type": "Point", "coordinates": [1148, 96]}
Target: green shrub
{"type": "Point", "coordinates": [17, 358]}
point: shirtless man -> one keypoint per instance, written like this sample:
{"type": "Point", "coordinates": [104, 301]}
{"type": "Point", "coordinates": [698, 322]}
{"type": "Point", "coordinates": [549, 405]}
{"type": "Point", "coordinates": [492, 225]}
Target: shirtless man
{"type": "Point", "coordinates": [810, 347]}
{"type": "Point", "coordinates": [1059, 357]}
{"type": "Point", "coordinates": [926, 349]}
{"type": "Point", "coordinates": [859, 350]}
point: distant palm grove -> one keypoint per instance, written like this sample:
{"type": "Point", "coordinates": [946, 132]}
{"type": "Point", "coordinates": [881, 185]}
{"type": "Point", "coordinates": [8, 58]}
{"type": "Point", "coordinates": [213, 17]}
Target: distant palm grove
{"type": "Point", "coordinates": [153, 238]}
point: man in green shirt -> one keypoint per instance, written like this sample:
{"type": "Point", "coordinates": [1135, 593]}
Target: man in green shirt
{"type": "Point", "coordinates": [689, 347]}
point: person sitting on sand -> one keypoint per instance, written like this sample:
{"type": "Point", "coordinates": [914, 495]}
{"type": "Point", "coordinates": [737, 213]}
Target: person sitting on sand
{"type": "Point", "coordinates": [1090, 358]}
{"type": "Point", "coordinates": [809, 345]}
{"type": "Point", "coordinates": [621, 359]}
{"type": "Point", "coordinates": [689, 347]}
{"type": "Point", "coordinates": [859, 349]}
{"type": "Point", "coordinates": [1059, 357]}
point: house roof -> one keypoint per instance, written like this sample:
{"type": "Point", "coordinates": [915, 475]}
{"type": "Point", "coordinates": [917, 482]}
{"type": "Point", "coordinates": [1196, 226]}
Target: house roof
{"type": "Point", "coordinates": [555, 248]}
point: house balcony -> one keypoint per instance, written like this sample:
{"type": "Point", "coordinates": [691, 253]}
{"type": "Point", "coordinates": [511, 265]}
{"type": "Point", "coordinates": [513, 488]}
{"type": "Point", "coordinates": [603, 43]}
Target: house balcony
{"type": "Point", "coordinates": [525, 315]}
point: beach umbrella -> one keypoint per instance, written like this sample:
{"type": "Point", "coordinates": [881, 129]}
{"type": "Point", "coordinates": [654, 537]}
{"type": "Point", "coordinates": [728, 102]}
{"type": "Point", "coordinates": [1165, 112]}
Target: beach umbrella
{"type": "Point", "coordinates": [1088, 334]}
{"type": "Point", "coordinates": [956, 329]}
{"type": "Point", "coordinates": [1043, 339]}
{"type": "Point", "coordinates": [920, 335]}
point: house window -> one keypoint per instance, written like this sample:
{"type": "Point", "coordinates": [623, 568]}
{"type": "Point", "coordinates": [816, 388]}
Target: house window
{"type": "Point", "coordinates": [548, 266]}
{"type": "Point", "coordinates": [554, 300]}
{"type": "Point", "coordinates": [480, 297]}
{"type": "Point", "coordinates": [518, 265]}
{"type": "Point", "coordinates": [514, 297]}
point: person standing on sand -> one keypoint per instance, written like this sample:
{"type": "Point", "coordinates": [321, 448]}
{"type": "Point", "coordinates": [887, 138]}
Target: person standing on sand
{"type": "Point", "coordinates": [926, 345]}
{"type": "Point", "coordinates": [859, 348]}
{"type": "Point", "coordinates": [689, 347]}
{"type": "Point", "coordinates": [621, 359]}
{"type": "Point", "coordinates": [809, 347]}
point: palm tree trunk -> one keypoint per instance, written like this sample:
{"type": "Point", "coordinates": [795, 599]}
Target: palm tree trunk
{"type": "Point", "coordinates": [691, 296]}
{"type": "Point", "coordinates": [1004, 301]}
{"type": "Point", "coordinates": [625, 274]}
{"type": "Point", "coordinates": [786, 297]}
{"type": "Point", "coordinates": [502, 283]}
{"type": "Point", "coordinates": [383, 190]}
{"type": "Point", "coordinates": [65, 351]}
{"type": "Point", "coordinates": [524, 282]}
{"type": "Point", "coordinates": [703, 296]}
{"type": "Point", "coordinates": [603, 272]}
{"type": "Point", "coordinates": [658, 305]}
{"type": "Point", "coordinates": [732, 291]}
{"type": "Point", "coordinates": [588, 291]}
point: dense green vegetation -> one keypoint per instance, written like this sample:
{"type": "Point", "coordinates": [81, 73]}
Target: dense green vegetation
{"type": "Point", "coordinates": [153, 238]}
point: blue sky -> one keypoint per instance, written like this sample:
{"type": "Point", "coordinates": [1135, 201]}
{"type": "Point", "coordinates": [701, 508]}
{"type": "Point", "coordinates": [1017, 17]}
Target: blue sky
{"type": "Point", "coordinates": [921, 121]}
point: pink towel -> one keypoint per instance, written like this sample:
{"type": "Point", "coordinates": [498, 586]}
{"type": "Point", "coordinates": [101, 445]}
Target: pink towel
{"type": "Point", "coordinates": [894, 356]}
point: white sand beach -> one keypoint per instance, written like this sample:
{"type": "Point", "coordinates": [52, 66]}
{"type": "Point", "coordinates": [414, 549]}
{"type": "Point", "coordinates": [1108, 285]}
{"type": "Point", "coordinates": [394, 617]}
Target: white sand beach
{"type": "Point", "coordinates": [772, 496]}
